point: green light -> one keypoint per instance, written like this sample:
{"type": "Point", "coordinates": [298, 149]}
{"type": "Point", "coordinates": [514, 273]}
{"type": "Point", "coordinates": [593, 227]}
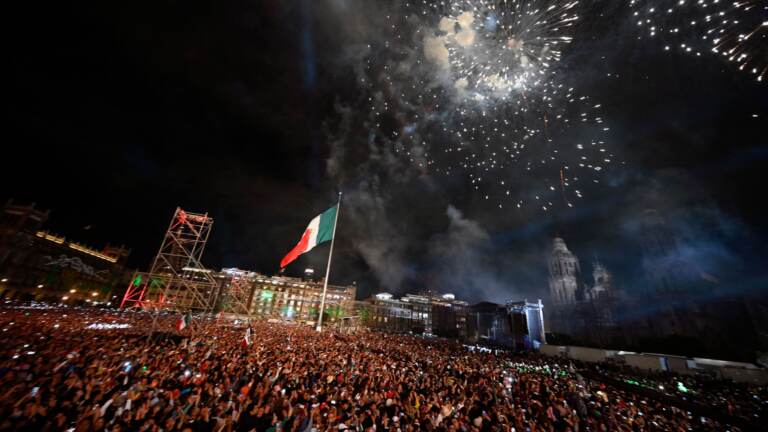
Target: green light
{"type": "Point", "coordinates": [682, 387]}
{"type": "Point", "coordinates": [335, 312]}
{"type": "Point", "coordinates": [266, 295]}
{"type": "Point", "coordinates": [137, 281]}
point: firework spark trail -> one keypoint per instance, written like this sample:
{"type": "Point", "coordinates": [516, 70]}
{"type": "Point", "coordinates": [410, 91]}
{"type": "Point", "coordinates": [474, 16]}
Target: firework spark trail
{"type": "Point", "coordinates": [516, 155]}
{"type": "Point", "coordinates": [734, 30]}
{"type": "Point", "coordinates": [467, 88]}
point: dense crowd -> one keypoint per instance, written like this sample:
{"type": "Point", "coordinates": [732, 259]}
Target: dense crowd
{"type": "Point", "coordinates": [746, 401]}
{"type": "Point", "coordinates": [98, 370]}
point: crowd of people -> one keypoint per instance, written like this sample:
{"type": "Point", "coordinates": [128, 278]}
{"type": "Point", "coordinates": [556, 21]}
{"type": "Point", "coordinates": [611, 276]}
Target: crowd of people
{"type": "Point", "coordinates": [737, 399]}
{"type": "Point", "coordinates": [104, 370]}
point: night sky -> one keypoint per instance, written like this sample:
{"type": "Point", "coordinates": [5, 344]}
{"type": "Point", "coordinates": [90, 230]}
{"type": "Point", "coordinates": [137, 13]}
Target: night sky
{"type": "Point", "coordinates": [118, 113]}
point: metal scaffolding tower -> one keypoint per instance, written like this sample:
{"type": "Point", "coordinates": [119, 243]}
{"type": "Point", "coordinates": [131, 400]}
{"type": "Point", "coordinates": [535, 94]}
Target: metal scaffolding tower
{"type": "Point", "coordinates": [177, 280]}
{"type": "Point", "coordinates": [238, 292]}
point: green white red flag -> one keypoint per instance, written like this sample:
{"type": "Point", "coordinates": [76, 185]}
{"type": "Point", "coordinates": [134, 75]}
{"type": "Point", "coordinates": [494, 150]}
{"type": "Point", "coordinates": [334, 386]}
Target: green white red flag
{"type": "Point", "coordinates": [319, 230]}
{"type": "Point", "coordinates": [183, 322]}
{"type": "Point", "coordinates": [247, 338]}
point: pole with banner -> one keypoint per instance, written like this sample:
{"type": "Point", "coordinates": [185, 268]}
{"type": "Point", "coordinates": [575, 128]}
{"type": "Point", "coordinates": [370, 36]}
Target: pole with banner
{"type": "Point", "coordinates": [328, 268]}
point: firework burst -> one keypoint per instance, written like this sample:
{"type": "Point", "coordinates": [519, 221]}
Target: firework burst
{"type": "Point", "coordinates": [469, 89]}
{"type": "Point", "coordinates": [493, 49]}
{"type": "Point", "coordinates": [736, 31]}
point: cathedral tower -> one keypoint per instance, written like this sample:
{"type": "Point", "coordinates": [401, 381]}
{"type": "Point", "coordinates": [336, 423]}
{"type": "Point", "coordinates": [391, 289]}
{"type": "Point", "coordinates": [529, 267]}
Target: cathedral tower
{"type": "Point", "coordinates": [564, 274]}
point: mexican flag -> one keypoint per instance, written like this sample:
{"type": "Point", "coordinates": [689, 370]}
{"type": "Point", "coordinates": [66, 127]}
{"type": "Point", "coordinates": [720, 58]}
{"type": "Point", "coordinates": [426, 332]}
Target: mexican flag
{"type": "Point", "coordinates": [319, 230]}
{"type": "Point", "coordinates": [247, 337]}
{"type": "Point", "coordinates": [183, 322]}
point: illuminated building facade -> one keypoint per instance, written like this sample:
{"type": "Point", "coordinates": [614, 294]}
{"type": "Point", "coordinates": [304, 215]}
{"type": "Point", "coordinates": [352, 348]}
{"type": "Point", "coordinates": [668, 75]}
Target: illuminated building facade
{"type": "Point", "coordinates": [38, 265]}
{"type": "Point", "coordinates": [516, 325]}
{"type": "Point", "coordinates": [427, 313]}
{"type": "Point", "coordinates": [288, 298]}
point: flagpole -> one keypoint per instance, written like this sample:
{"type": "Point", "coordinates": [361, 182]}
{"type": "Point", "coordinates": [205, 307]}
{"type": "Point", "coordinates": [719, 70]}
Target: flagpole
{"type": "Point", "coordinates": [328, 268]}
